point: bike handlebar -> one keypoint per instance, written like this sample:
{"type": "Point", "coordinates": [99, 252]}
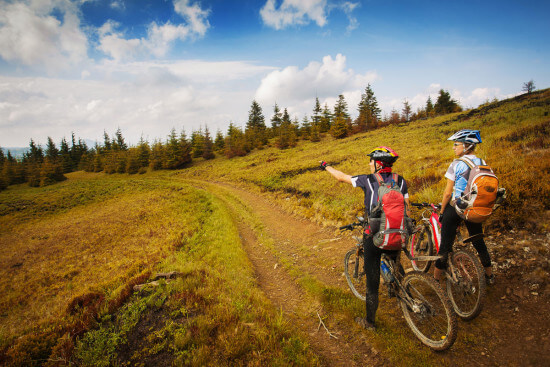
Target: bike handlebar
{"type": "Point", "coordinates": [349, 227]}
{"type": "Point", "coordinates": [425, 205]}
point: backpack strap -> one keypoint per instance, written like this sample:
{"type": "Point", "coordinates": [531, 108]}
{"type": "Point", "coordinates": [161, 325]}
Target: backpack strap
{"type": "Point", "coordinates": [470, 163]}
{"type": "Point", "coordinates": [379, 178]}
{"type": "Point", "coordinates": [394, 178]}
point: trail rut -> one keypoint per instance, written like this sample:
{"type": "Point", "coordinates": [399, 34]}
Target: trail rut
{"type": "Point", "coordinates": [318, 252]}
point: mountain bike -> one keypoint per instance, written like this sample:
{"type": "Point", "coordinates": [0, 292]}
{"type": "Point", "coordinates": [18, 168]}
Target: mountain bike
{"type": "Point", "coordinates": [427, 310]}
{"type": "Point", "coordinates": [464, 275]}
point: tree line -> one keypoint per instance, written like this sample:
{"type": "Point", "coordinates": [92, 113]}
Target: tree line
{"type": "Point", "coordinates": [44, 166]}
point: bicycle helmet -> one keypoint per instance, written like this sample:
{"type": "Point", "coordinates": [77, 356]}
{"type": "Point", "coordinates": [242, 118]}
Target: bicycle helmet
{"type": "Point", "coordinates": [466, 136]}
{"type": "Point", "coordinates": [385, 155]}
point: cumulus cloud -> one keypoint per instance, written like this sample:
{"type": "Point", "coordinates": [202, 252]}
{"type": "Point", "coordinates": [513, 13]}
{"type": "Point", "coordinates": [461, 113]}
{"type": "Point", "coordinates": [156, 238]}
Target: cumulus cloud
{"type": "Point", "coordinates": [31, 35]}
{"type": "Point", "coordinates": [467, 99]}
{"type": "Point", "coordinates": [160, 37]}
{"type": "Point", "coordinates": [294, 12]}
{"type": "Point", "coordinates": [146, 98]}
{"type": "Point", "coordinates": [302, 12]}
{"type": "Point", "coordinates": [294, 87]}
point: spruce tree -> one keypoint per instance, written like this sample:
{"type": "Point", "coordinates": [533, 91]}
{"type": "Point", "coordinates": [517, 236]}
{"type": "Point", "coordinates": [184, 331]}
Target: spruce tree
{"type": "Point", "coordinates": [445, 104]}
{"type": "Point", "coordinates": [287, 135]}
{"type": "Point", "coordinates": [197, 143]}
{"type": "Point", "coordinates": [326, 120]}
{"type": "Point", "coordinates": [429, 107]}
{"type": "Point", "coordinates": [255, 127]}
{"type": "Point", "coordinates": [276, 121]}
{"type": "Point", "coordinates": [406, 111]}
{"type": "Point", "coordinates": [341, 125]}
{"type": "Point", "coordinates": [219, 142]}
{"type": "Point", "coordinates": [317, 114]}
{"type": "Point", "coordinates": [52, 152]}
{"type": "Point", "coordinates": [208, 145]}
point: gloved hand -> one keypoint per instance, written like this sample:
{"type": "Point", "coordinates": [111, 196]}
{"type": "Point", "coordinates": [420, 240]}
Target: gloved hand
{"type": "Point", "coordinates": [323, 165]}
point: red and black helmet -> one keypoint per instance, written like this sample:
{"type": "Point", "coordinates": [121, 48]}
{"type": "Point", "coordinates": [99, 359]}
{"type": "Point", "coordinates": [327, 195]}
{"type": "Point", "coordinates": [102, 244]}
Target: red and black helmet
{"type": "Point", "coordinates": [383, 154]}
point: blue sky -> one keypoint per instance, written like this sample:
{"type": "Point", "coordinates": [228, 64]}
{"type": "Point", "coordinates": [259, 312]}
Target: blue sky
{"type": "Point", "coordinates": [148, 66]}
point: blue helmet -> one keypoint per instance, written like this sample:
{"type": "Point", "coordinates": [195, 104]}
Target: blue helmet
{"type": "Point", "coordinates": [467, 136]}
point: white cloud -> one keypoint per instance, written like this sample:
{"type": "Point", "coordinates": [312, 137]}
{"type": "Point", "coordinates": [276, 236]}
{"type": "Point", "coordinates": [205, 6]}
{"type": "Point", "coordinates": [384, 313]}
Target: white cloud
{"type": "Point", "coordinates": [294, 12]}
{"type": "Point", "coordinates": [302, 12]}
{"type": "Point", "coordinates": [32, 36]}
{"type": "Point", "coordinates": [297, 88]}
{"type": "Point", "coordinates": [160, 37]}
{"type": "Point", "coordinates": [146, 98]}
{"type": "Point", "coordinates": [196, 17]}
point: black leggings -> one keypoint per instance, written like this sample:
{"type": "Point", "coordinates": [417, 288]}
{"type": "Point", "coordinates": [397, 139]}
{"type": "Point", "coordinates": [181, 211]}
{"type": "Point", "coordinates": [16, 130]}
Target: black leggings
{"type": "Point", "coordinates": [373, 255]}
{"type": "Point", "coordinates": [449, 224]}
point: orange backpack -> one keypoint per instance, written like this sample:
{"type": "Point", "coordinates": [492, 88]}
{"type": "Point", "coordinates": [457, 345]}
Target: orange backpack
{"type": "Point", "coordinates": [480, 193]}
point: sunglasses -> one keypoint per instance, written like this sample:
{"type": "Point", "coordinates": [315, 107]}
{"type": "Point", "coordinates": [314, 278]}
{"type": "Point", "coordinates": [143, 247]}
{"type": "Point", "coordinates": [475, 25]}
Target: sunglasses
{"type": "Point", "coordinates": [457, 144]}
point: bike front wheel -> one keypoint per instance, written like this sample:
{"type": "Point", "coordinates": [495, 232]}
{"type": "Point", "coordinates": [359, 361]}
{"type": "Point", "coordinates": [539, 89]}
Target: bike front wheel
{"type": "Point", "coordinates": [421, 245]}
{"type": "Point", "coordinates": [354, 270]}
{"type": "Point", "coordinates": [428, 311]}
{"type": "Point", "coordinates": [466, 285]}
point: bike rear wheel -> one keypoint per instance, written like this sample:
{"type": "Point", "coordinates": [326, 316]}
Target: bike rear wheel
{"type": "Point", "coordinates": [428, 311]}
{"type": "Point", "coordinates": [467, 292]}
{"type": "Point", "coordinates": [354, 270]}
{"type": "Point", "coordinates": [422, 245]}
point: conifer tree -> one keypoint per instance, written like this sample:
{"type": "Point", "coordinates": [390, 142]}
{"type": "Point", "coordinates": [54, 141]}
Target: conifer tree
{"type": "Point", "coordinates": [369, 112]}
{"type": "Point", "coordinates": [107, 146]}
{"type": "Point", "coordinates": [429, 107]}
{"type": "Point", "coordinates": [287, 135]}
{"type": "Point", "coordinates": [234, 142]}
{"type": "Point", "coordinates": [326, 120]}
{"type": "Point", "coordinates": [305, 129]}
{"type": "Point", "coordinates": [157, 157]}
{"type": "Point", "coordinates": [317, 114]}
{"type": "Point", "coordinates": [144, 152]}
{"type": "Point", "coordinates": [219, 142]}
{"type": "Point", "coordinates": [341, 125]}
{"type": "Point", "coordinates": [255, 131]}
{"type": "Point", "coordinates": [52, 152]}
{"type": "Point", "coordinates": [406, 111]}
{"type": "Point", "coordinates": [177, 151]}
{"type": "Point", "coordinates": [197, 143]}
{"type": "Point", "coordinates": [208, 145]}
{"type": "Point", "coordinates": [276, 121]}
{"type": "Point", "coordinates": [445, 104]}
{"type": "Point", "coordinates": [118, 141]}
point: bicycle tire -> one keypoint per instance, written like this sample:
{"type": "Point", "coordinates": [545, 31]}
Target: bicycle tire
{"type": "Point", "coordinates": [468, 295]}
{"type": "Point", "coordinates": [421, 245]}
{"type": "Point", "coordinates": [357, 281]}
{"type": "Point", "coordinates": [433, 320]}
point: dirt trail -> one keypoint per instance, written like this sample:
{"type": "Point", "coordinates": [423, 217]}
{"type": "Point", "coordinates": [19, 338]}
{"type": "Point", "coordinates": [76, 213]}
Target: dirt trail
{"type": "Point", "coordinates": [511, 331]}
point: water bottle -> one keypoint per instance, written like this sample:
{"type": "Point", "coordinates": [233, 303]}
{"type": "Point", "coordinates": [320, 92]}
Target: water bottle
{"type": "Point", "coordinates": [386, 273]}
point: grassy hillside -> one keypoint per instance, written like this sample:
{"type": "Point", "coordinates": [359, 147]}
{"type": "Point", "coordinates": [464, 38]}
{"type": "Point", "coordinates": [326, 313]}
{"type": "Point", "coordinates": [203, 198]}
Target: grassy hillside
{"type": "Point", "coordinates": [71, 254]}
{"type": "Point", "coordinates": [516, 142]}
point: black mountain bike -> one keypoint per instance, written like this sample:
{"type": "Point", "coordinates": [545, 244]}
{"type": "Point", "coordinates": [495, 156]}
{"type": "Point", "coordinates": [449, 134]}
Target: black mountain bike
{"type": "Point", "coordinates": [426, 308]}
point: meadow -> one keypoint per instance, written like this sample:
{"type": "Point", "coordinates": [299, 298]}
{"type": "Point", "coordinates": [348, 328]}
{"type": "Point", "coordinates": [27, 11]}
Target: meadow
{"type": "Point", "coordinates": [516, 141]}
{"type": "Point", "coordinates": [72, 252]}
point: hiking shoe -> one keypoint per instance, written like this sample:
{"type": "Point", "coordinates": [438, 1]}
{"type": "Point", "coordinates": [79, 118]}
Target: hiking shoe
{"type": "Point", "coordinates": [365, 324]}
{"type": "Point", "coordinates": [490, 279]}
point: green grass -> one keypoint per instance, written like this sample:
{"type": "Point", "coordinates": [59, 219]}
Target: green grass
{"type": "Point", "coordinates": [516, 142]}
{"type": "Point", "coordinates": [75, 266]}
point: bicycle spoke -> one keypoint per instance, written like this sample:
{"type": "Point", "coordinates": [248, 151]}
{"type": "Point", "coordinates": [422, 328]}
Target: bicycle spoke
{"type": "Point", "coordinates": [466, 289]}
{"type": "Point", "coordinates": [431, 317]}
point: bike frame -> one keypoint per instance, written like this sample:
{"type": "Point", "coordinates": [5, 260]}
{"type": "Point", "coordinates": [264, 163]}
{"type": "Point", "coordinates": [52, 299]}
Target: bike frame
{"type": "Point", "coordinates": [434, 225]}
